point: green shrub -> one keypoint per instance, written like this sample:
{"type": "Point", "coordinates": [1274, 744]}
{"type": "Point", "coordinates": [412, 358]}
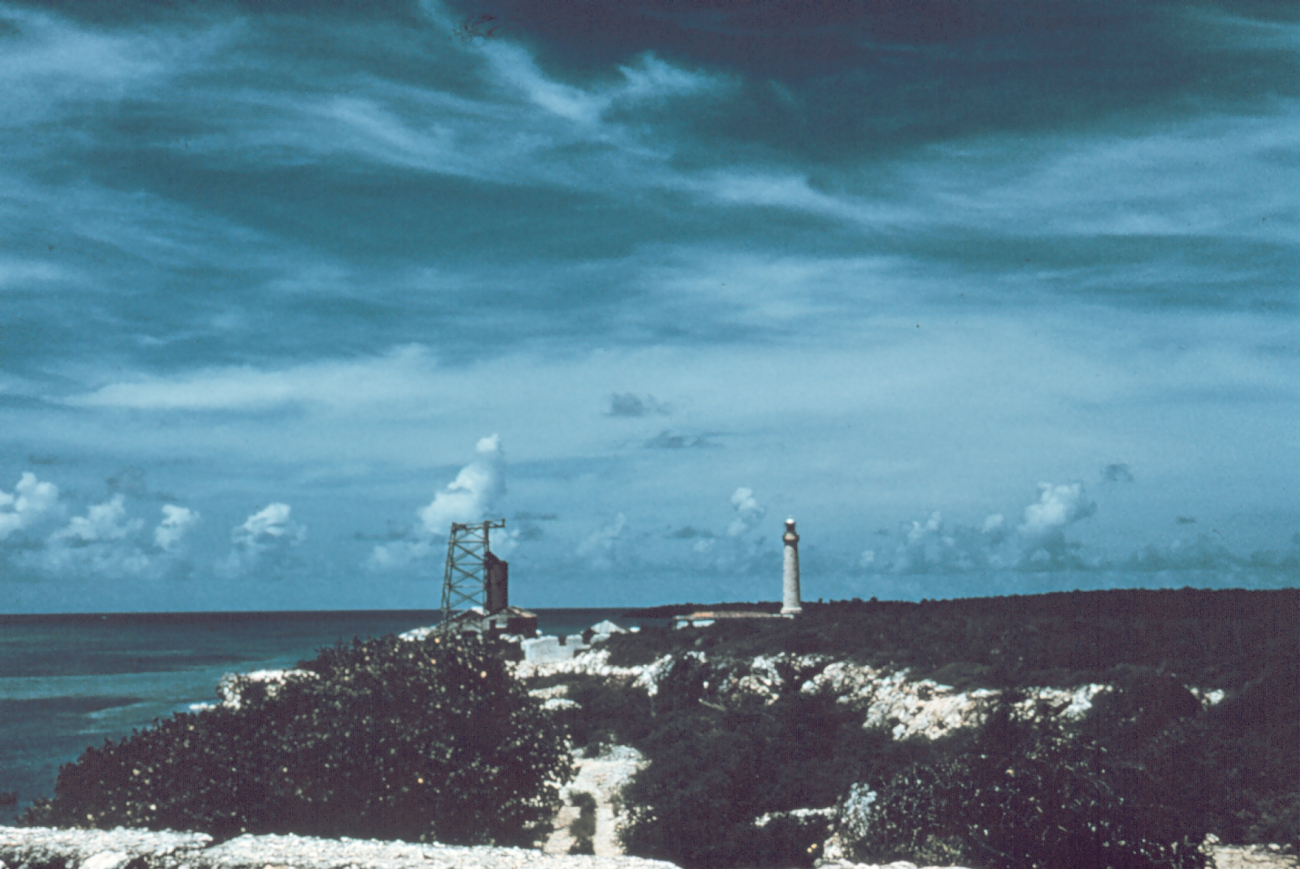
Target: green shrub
{"type": "Point", "coordinates": [1234, 766]}
{"type": "Point", "coordinates": [606, 714]}
{"type": "Point", "coordinates": [421, 740]}
{"type": "Point", "coordinates": [1025, 796]}
{"type": "Point", "coordinates": [583, 828]}
{"type": "Point", "coordinates": [712, 774]}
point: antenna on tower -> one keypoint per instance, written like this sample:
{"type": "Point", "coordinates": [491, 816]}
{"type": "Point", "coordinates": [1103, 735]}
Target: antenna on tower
{"type": "Point", "coordinates": [471, 569]}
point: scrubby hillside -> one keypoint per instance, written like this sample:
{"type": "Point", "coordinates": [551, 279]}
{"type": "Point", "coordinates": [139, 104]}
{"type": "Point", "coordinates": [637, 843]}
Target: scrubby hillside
{"type": "Point", "coordinates": [1103, 729]}
{"type": "Point", "coordinates": [992, 731]}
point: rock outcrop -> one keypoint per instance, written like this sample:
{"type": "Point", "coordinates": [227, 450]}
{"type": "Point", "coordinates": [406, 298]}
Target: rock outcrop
{"type": "Point", "coordinates": [885, 697]}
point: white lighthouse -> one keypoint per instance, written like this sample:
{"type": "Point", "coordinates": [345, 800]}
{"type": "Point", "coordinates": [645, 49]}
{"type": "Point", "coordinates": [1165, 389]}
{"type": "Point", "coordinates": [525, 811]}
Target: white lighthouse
{"type": "Point", "coordinates": [791, 605]}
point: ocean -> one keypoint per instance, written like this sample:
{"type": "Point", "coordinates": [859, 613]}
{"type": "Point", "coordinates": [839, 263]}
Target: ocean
{"type": "Point", "coordinates": [68, 682]}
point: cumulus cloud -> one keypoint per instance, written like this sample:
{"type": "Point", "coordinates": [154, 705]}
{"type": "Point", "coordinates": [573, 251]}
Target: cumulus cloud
{"type": "Point", "coordinates": [175, 524]}
{"type": "Point", "coordinates": [995, 529]}
{"type": "Point", "coordinates": [105, 541]}
{"type": "Point", "coordinates": [109, 559]}
{"type": "Point", "coordinates": [469, 497]}
{"type": "Point", "coordinates": [748, 511]}
{"type": "Point", "coordinates": [265, 537]}
{"type": "Point", "coordinates": [1043, 531]}
{"type": "Point", "coordinates": [507, 540]}
{"type": "Point", "coordinates": [31, 499]}
{"type": "Point", "coordinates": [267, 527]}
{"type": "Point", "coordinates": [933, 545]}
{"type": "Point", "coordinates": [106, 521]}
{"type": "Point", "coordinates": [733, 549]}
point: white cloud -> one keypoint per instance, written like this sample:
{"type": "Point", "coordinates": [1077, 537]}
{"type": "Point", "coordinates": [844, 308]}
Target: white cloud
{"type": "Point", "coordinates": [24, 273]}
{"type": "Point", "coordinates": [468, 498]}
{"type": "Point", "coordinates": [792, 191]}
{"type": "Point", "coordinates": [102, 522]}
{"type": "Point", "coordinates": [935, 546]}
{"type": "Point", "coordinates": [104, 542]}
{"type": "Point", "coordinates": [505, 542]}
{"type": "Point", "coordinates": [515, 69]}
{"type": "Point", "coordinates": [1057, 508]}
{"type": "Point", "coordinates": [332, 383]}
{"type": "Point", "coordinates": [265, 537]}
{"type": "Point", "coordinates": [54, 63]}
{"type": "Point", "coordinates": [176, 523]}
{"type": "Point", "coordinates": [748, 511]}
{"type": "Point", "coordinates": [737, 550]}
{"type": "Point", "coordinates": [472, 494]}
{"type": "Point", "coordinates": [30, 500]}
{"type": "Point", "coordinates": [1198, 178]}
{"type": "Point", "coordinates": [269, 526]}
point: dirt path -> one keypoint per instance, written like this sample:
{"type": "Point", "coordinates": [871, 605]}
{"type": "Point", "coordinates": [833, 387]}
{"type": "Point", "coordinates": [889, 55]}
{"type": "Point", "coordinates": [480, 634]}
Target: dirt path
{"type": "Point", "coordinates": [603, 777]}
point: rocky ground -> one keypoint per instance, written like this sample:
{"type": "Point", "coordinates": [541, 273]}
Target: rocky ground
{"type": "Point", "coordinates": [1250, 856]}
{"type": "Point", "coordinates": [43, 848]}
{"type": "Point", "coordinates": [914, 707]}
{"type": "Point", "coordinates": [919, 707]}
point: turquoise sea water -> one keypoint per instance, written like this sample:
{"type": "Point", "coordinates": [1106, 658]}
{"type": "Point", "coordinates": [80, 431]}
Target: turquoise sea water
{"type": "Point", "coordinates": [71, 681]}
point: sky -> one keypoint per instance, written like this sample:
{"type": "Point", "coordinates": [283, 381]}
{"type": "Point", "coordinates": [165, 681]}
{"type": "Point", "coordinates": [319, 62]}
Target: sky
{"type": "Point", "coordinates": [991, 298]}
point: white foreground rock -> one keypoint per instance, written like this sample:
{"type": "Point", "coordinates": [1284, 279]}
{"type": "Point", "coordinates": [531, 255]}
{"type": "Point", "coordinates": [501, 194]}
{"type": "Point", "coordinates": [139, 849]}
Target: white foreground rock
{"type": "Point", "coordinates": [30, 847]}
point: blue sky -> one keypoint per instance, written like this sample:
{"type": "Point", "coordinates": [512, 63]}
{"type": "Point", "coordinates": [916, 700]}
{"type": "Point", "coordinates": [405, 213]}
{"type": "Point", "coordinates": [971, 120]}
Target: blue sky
{"type": "Point", "coordinates": [991, 298]}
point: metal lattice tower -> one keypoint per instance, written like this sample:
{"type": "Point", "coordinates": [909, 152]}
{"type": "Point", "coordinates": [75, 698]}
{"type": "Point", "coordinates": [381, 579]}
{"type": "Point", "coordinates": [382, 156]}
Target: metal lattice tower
{"type": "Point", "coordinates": [464, 584]}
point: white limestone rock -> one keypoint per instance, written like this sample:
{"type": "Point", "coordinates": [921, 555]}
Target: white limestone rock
{"type": "Point", "coordinates": [79, 849]}
{"type": "Point", "coordinates": [41, 846]}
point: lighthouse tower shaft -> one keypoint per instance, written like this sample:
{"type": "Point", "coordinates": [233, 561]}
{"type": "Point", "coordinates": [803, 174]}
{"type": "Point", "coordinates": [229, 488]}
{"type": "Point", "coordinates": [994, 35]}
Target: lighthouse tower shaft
{"type": "Point", "coordinates": [791, 604]}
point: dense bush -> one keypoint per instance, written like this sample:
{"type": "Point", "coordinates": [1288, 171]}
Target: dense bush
{"type": "Point", "coordinates": [712, 773]}
{"type": "Point", "coordinates": [605, 714]}
{"type": "Point", "coordinates": [1203, 637]}
{"type": "Point", "coordinates": [1025, 795]}
{"type": "Point", "coordinates": [1174, 768]}
{"type": "Point", "coordinates": [1235, 766]}
{"type": "Point", "coordinates": [421, 740]}
{"type": "Point", "coordinates": [1138, 784]}
{"type": "Point", "coordinates": [583, 828]}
